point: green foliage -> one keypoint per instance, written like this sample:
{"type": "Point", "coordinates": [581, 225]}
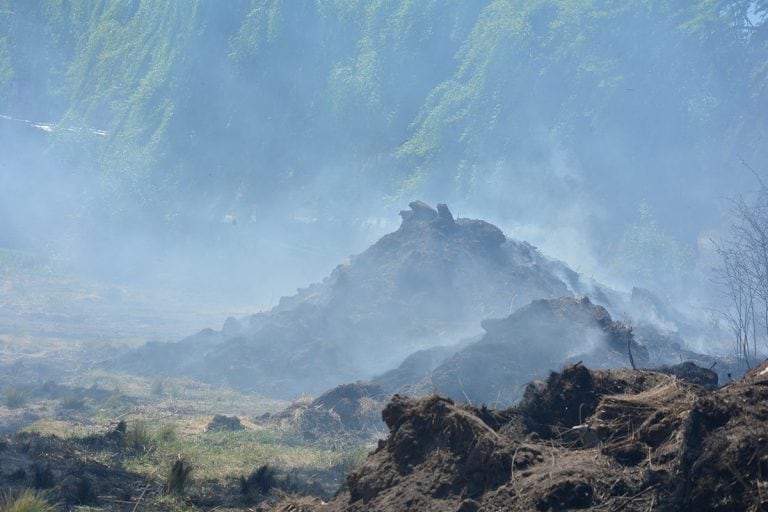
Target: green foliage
{"type": "Point", "coordinates": [15, 397]}
{"type": "Point", "coordinates": [350, 460]}
{"type": "Point", "coordinates": [649, 257]}
{"type": "Point", "coordinates": [198, 97]}
{"type": "Point", "coordinates": [27, 500]}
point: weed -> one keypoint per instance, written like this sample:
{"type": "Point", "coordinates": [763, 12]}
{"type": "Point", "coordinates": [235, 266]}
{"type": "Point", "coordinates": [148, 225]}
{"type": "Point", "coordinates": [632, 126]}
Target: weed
{"type": "Point", "coordinates": [116, 401]}
{"type": "Point", "coordinates": [178, 477]}
{"type": "Point", "coordinates": [15, 397]}
{"type": "Point", "coordinates": [138, 439]}
{"type": "Point", "coordinates": [42, 476]}
{"type": "Point", "coordinates": [167, 433]}
{"type": "Point", "coordinates": [157, 388]}
{"type": "Point", "coordinates": [260, 481]}
{"type": "Point", "coordinates": [26, 501]}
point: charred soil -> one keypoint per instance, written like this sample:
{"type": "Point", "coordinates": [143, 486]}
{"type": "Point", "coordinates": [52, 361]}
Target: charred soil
{"type": "Point", "coordinates": [600, 440]}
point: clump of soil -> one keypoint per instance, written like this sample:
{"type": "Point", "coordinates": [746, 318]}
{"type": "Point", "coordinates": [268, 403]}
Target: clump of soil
{"type": "Point", "coordinates": [346, 411]}
{"type": "Point", "coordinates": [693, 373]}
{"type": "Point", "coordinates": [427, 435]}
{"type": "Point", "coordinates": [608, 440]}
{"type": "Point", "coordinates": [227, 423]}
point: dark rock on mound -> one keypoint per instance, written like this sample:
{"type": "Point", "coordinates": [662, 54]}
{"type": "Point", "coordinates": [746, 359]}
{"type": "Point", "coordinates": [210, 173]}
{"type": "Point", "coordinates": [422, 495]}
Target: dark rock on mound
{"type": "Point", "coordinates": [662, 444]}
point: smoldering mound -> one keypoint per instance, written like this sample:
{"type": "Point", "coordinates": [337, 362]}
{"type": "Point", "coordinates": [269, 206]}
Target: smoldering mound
{"type": "Point", "coordinates": [545, 334]}
{"type": "Point", "coordinates": [428, 283]}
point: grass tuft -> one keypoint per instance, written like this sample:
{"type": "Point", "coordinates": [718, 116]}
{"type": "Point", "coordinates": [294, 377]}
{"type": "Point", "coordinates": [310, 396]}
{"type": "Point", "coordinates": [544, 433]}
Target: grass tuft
{"type": "Point", "coordinates": [178, 477]}
{"type": "Point", "coordinates": [260, 481]}
{"type": "Point", "coordinates": [138, 438]}
{"type": "Point", "coordinates": [27, 500]}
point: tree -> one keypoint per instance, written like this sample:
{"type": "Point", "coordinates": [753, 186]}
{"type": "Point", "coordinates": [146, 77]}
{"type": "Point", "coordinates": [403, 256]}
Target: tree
{"type": "Point", "coordinates": [743, 274]}
{"type": "Point", "coordinates": [647, 256]}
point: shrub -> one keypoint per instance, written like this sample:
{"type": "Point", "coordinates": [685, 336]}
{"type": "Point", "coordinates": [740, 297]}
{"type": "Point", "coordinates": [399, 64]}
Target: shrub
{"type": "Point", "coordinates": [115, 401]}
{"type": "Point", "coordinates": [260, 481]}
{"type": "Point", "coordinates": [26, 501]}
{"type": "Point", "coordinates": [166, 433]}
{"type": "Point", "coordinates": [15, 397]}
{"type": "Point", "coordinates": [73, 403]}
{"type": "Point", "coordinates": [42, 476]}
{"type": "Point", "coordinates": [178, 477]}
{"type": "Point", "coordinates": [138, 439]}
{"type": "Point", "coordinates": [157, 388]}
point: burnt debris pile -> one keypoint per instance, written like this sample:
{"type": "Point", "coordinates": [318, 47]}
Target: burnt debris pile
{"type": "Point", "coordinates": [347, 412]}
{"type": "Point", "coordinates": [429, 283]}
{"type": "Point", "coordinates": [546, 333]}
{"type": "Point", "coordinates": [582, 439]}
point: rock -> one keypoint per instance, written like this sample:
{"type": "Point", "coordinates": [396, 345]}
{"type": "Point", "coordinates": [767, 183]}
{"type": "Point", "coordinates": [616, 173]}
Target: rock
{"type": "Point", "coordinates": [444, 214]}
{"type": "Point", "coordinates": [420, 212]}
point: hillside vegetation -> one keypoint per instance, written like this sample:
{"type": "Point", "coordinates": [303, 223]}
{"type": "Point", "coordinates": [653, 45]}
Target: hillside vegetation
{"type": "Point", "coordinates": [267, 104]}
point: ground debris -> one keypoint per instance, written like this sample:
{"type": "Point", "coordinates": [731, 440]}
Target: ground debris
{"type": "Point", "coordinates": [348, 411]}
{"type": "Point", "coordinates": [659, 443]}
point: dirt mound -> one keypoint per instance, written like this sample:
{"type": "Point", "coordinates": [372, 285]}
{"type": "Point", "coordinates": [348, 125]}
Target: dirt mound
{"type": "Point", "coordinates": [409, 377]}
{"type": "Point", "coordinates": [599, 440]}
{"type": "Point", "coordinates": [524, 346]}
{"type": "Point", "coordinates": [427, 436]}
{"type": "Point", "coordinates": [426, 284]}
{"type": "Point", "coordinates": [725, 448]}
{"type": "Point", "coordinates": [346, 411]}
{"type": "Point", "coordinates": [221, 422]}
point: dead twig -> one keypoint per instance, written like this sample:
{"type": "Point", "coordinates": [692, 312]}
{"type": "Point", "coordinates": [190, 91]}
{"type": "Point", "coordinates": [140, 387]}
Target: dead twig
{"type": "Point", "coordinates": [633, 498]}
{"type": "Point", "coordinates": [136, 506]}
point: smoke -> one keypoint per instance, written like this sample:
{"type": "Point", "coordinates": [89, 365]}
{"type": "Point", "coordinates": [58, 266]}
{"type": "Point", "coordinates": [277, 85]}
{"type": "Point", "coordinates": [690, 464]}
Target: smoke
{"type": "Point", "coordinates": [283, 153]}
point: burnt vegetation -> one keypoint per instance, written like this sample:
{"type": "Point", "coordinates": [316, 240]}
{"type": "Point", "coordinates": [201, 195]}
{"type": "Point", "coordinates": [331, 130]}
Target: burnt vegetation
{"type": "Point", "coordinates": [585, 327]}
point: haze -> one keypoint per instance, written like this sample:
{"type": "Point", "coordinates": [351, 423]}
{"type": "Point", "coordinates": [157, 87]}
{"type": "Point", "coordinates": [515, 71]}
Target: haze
{"type": "Point", "coordinates": [230, 153]}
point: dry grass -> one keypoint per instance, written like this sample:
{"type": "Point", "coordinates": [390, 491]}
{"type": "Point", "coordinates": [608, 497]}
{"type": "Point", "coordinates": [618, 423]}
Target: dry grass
{"type": "Point", "coordinates": [26, 501]}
